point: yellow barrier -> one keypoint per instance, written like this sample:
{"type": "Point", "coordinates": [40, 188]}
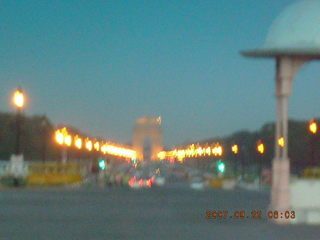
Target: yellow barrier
{"type": "Point", "coordinates": [311, 172]}
{"type": "Point", "coordinates": [215, 183]}
{"type": "Point", "coordinates": [55, 174]}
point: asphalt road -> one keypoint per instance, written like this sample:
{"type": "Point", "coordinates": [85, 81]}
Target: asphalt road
{"type": "Point", "coordinates": [118, 213]}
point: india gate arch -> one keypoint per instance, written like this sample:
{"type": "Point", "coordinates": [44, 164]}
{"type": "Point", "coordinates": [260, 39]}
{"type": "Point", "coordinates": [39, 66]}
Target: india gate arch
{"type": "Point", "coordinates": [147, 128]}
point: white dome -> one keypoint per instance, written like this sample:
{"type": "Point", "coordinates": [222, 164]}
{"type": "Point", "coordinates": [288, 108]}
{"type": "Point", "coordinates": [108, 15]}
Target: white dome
{"type": "Point", "coordinates": [297, 27]}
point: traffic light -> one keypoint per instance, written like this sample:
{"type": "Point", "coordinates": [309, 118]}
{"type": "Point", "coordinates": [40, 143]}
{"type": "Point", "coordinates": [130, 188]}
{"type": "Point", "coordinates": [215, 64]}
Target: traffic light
{"type": "Point", "coordinates": [134, 161]}
{"type": "Point", "coordinates": [221, 166]}
{"type": "Point", "coordinates": [102, 164]}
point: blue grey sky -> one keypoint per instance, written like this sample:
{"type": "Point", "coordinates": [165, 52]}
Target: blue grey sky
{"type": "Point", "coordinates": [99, 65]}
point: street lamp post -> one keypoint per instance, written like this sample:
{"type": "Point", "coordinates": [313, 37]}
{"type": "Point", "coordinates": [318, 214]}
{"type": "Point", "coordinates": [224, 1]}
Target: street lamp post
{"type": "Point", "coordinates": [260, 150]}
{"type": "Point", "coordinates": [64, 139]}
{"type": "Point", "coordinates": [313, 128]}
{"type": "Point", "coordinates": [44, 130]}
{"type": "Point", "coordinates": [235, 150]}
{"type": "Point", "coordinates": [242, 157]}
{"type": "Point", "coordinates": [18, 101]}
{"type": "Point", "coordinates": [16, 161]}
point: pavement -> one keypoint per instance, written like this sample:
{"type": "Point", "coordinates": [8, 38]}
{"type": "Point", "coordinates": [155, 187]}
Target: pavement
{"type": "Point", "coordinates": [172, 212]}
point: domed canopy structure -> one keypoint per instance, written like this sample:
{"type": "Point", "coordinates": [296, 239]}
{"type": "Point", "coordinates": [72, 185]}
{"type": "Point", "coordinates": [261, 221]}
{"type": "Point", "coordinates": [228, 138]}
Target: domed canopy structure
{"type": "Point", "coordinates": [293, 40]}
{"type": "Point", "coordinates": [296, 31]}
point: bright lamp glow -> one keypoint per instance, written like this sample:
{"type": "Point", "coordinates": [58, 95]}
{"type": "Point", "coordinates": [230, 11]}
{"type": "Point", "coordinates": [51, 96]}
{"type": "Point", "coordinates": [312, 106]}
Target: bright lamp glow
{"type": "Point", "coordinates": [18, 98]}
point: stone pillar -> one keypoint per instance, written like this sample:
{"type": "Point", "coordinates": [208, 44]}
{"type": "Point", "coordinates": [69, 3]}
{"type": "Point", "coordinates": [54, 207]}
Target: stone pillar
{"type": "Point", "coordinates": [286, 68]}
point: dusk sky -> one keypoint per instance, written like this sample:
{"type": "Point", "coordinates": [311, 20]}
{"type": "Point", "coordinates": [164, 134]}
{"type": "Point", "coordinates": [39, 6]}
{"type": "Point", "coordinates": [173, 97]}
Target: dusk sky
{"type": "Point", "coordinates": [100, 65]}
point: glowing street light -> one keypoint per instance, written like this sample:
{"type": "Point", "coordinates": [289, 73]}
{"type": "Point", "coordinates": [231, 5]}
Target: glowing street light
{"type": "Point", "coordinates": [217, 150]}
{"type": "Point", "coordinates": [96, 146]}
{"type": "Point", "coordinates": [78, 142]}
{"type": "Point", "coordinates": [235, 149]}
{"type": "Point", "coordinates": [260, 147]}
{"type": "Point", "coordinates": [88, 144]}
{"type": "Point", "coordinates": [67, 140]}
{"type": "Point", "coordinates": [104, 148]}
{"type": "Point", "coordinates": [59, 137]}
{"type": "Point", "coordinates": [18, 98]}
{"type": "Point", "coordinates": [281, 142]}
{"type": "Point", "coordinates": [162, 155]}
{"type": "Point", "coordinates": [62, 137]}
{"type": "Point", "coordinates": [208, 151]}
{"type": "Point", "coordinates": [313, 127]}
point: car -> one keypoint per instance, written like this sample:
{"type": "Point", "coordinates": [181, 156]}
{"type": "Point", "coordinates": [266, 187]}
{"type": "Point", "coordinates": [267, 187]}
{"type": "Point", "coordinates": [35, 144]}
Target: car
{"type": "Point", "coordinates": [159, 181]}
{"type": "Point", "coordinates": [197, 184]}
{"type": "Point", "coordinates": [135, 182]}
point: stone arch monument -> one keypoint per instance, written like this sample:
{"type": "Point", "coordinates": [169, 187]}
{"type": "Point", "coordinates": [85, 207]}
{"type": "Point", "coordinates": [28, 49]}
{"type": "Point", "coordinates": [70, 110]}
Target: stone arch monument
{"type": "Point", "coordinates": [147, 128]}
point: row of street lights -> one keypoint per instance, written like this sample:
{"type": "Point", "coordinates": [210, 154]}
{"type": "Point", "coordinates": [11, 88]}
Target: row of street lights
{"type": "Point", "coordinates": [199, 151]}
{"type": "Point", "coordinates": [193, 150]}
{"type": "Point", "coordinates": [19, 100]}
{"type": "Point", "coordinates": [62, 136]}
{"type": "Point", "coordinates": [66, 140]}
{"type": "Point", "coordinates": [196, 150]}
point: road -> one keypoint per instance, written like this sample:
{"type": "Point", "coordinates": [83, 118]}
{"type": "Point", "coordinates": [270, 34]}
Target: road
{"type": "Point", "coordinates": [119, 213]}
